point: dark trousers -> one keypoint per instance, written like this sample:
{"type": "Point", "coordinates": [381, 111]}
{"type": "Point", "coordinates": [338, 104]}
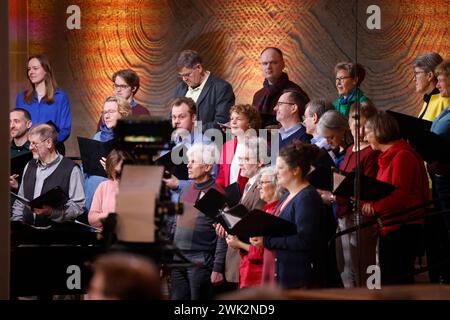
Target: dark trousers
{"type": "Point", "coordinates": [397, 254]}
{"type": "Point", "coordinates": [437, 233]}
{"type": "Point", "coordinates": [193, 283]}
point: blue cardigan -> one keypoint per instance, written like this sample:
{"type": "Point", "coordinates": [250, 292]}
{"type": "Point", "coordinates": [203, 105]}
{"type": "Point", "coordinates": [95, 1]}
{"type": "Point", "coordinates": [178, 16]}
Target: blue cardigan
{"type": "Point", "coordinates": [299, 257]}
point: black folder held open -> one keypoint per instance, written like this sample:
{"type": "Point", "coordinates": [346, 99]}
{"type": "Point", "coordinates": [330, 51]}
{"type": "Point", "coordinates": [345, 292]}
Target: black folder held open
{"type": "Point", "coordinates": [55, 198]}
{"type": "Point", "coordinates": [241, 222]}
{"type": "Point", "coordinates": [371, 188]}
{"type": "Point", "coordinates": [429, 145]}
{"type": "Point", "coordinates": [91, 151]}
{"type": "Point", "coordinates": [179, 167]}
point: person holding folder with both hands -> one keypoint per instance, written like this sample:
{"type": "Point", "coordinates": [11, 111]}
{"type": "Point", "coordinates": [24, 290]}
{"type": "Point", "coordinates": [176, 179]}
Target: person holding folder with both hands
{"type": "Point", "coordinates": [402, 167]}
{"type": "Point", "coordinates": [47, 170]}
{"type": "Point", "coordinates": [114, 108]}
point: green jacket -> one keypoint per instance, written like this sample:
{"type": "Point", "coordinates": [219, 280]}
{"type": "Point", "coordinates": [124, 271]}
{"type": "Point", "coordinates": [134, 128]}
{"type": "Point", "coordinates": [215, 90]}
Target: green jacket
{"type": "Point", "coordinates": [342, 104]}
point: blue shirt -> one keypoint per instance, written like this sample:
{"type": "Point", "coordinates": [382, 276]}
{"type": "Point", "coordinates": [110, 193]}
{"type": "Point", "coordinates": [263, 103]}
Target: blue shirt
{"type": "Point", "coordinates": [285, 133]}
{"type": "Point", "coordinates": [441, 125]}
{"type": "Point", "coordinates": [58, 112]}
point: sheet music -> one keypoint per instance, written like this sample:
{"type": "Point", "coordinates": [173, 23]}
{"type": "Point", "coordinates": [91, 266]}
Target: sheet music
{"type": "Point", "coordinates": [21, 199]}
{"type": "Point", "coordinates": [337, 180]}
{"type": "Point", "coordinates": [230, 219]}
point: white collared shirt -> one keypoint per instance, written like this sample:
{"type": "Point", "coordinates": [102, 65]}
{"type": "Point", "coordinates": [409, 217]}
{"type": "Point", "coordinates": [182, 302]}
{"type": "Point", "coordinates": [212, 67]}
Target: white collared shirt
{"type": "Point", "coordinates": [194, 94]}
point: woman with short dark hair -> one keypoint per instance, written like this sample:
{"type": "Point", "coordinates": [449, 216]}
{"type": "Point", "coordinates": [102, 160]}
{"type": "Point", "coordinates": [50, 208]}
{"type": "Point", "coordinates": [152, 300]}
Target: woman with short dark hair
{"type": "Point", "coordinates": [402, 167]}
{"type": "Point", "coordinates": [425, 79]}
{"type": "Point", "coordinates": [300, 258]}
{"type": "Point", "coordinates": [349, 76]}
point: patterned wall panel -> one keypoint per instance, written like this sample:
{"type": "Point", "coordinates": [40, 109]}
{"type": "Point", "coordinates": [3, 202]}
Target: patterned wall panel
{"type": "Point", "coordinates": [314, 35]}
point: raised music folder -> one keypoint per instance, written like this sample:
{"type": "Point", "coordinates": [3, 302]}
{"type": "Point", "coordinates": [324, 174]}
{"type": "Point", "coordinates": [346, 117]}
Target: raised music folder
{"type": "Point", "coordinates": [91, 152]}
{"type": "Point", "coordinates": [239, 221]}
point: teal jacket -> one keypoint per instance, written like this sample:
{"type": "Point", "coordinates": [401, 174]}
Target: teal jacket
{"type": "Point", "coordinates": [342, 104]}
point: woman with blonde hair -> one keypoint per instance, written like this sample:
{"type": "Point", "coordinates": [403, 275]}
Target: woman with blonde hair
{"type": "Point", "coordinates": [114, 108]}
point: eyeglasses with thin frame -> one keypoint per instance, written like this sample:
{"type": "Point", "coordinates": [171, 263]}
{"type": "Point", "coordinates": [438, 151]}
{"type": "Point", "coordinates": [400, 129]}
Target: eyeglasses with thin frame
{"type": "Point", "coordinates": [35, 144]}
{"type": "Point", "coordinates": [339, 79]}
{"type": "Point", "coordinates": [261, 183]}
{"type": "Point", "coordinates": [120, 86]}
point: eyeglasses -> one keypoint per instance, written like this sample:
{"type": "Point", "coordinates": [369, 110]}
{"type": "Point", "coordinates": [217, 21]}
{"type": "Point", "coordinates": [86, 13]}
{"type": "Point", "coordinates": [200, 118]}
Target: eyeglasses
{"type": "Point", "coordinates": [35, 144]}
{"type": "Point", "coordinates": [282, 102]}
{"type": "Point", "coordinates": [120, 86]}
{"type": "Point", "coordinates": [185, 75]}
{"type": "Point", "coordinates": [339, 79]}
{"type": "Point", "coordinates": [109, 112]}
{"type": "Point", "coordinates": [261, 183]}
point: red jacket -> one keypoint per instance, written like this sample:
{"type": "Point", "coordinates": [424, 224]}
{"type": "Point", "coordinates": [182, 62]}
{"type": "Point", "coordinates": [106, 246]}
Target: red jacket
{"type": "Point", "coordinates": [223, 177]}
{"type": "Point", "coordinates": [401, 166]}
{"type": "Point", "coordinates": [369, 167]}
{"type": "Point", "coordinates": [252, 263]}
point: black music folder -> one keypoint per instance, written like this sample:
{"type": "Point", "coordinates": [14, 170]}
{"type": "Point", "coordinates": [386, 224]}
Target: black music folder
{"type": "Point", "coordinates": [19, 162]}
{"type": "Point", "coordinates": [429, 145]}
{"type": "Point", "coordinates": [321, 177]}
{"type": "Point", "coordinates": [178, 167]}
{"type": "Point", "coordinates": [233, 194]}
{"type": "Point", "coordinates": [55, 198]}
{"type": "Point", "coordinates": [410, 126]}
{"type": "Point", "coordinates": [371, 188]}
{"type": "Point", "coordinates": [243, 223]}
{"type": "Point", "coordinates": [91, 151]}
{"type": "Point", "coordinates": [238, 220]}
{"type": "Point", "coordinates": [211, 203]}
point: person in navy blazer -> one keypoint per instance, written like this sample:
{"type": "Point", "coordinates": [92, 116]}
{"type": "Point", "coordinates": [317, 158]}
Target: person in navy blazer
{"type": "Point", "coordinates": [213, 96]}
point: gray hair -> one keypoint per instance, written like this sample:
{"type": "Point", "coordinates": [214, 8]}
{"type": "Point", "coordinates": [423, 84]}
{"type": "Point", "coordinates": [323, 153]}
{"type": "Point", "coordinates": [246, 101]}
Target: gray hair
{"type": "Point", "coordinates": [319, 107]}
{"type": "Point", "coordinates": [44, 131]}
{"type": "Point", "coordinates": [272, 171]}
{"type": "Point", "coordinates": [209, 153]}
{"type": "Point", "coordinates": [334, 121]}
{"type": "Point", "coordinates": [428, 61]}
{"type": "Point", "coordinates": [258, 149]}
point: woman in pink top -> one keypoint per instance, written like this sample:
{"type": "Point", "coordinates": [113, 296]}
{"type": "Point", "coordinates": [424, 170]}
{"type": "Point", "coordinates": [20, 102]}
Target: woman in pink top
{"type": "Point", "coordinates": [104, 200]}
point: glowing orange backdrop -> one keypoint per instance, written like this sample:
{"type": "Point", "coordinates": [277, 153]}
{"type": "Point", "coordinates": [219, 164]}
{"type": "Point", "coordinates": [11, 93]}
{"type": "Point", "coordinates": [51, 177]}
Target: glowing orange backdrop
{"type": "Point", "coordinates": [147, 36]}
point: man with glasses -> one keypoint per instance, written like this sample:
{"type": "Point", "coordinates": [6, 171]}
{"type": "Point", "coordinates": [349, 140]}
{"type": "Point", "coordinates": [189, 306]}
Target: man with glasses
{"type": "Point", "coordinates": [265, 99]}
{"type": "Point", "coordinates": [290, 109]}
{"type": "Point", "coordinates": [126, 84]}
{"type": "Point", "coordinates": [213, 96]}
{"type": "Point", "coordinates": [47, 170]}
